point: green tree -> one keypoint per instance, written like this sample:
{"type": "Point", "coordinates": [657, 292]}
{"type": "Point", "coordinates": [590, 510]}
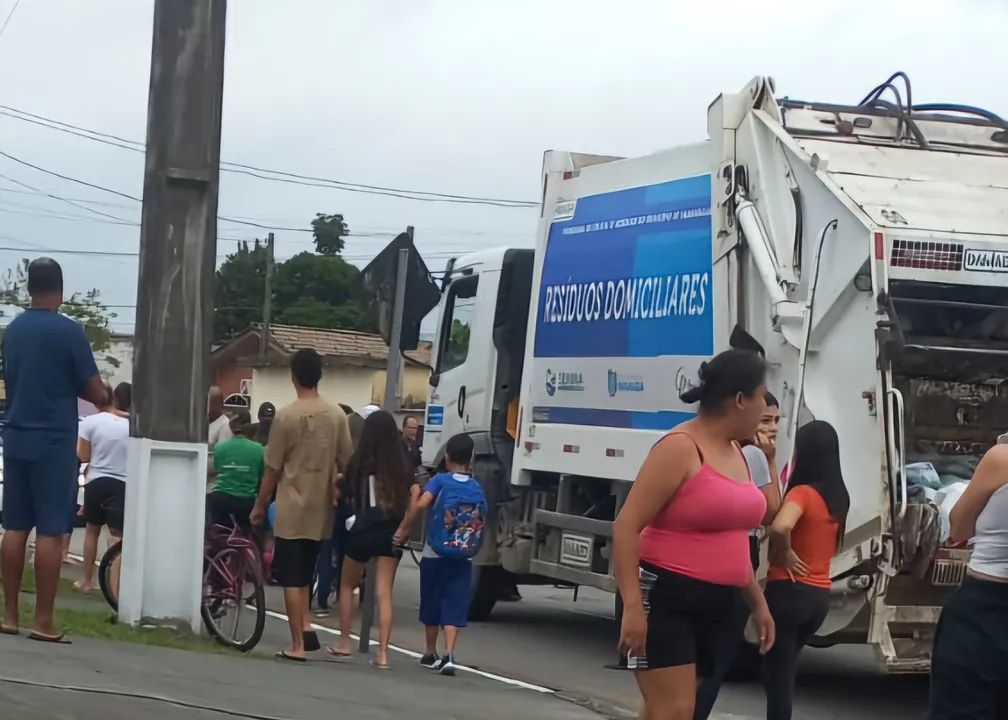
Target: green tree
{"type": "Point", "coordinates": [320, 291]}
{"type": "Point", "coordinates": [317, 290]}
{"type": "Point", "coordinates": [239, 290]}
{"type": "Point", "coordinates": [329, 233]}
{"type": "Point", "coordinates": [86, 308]}
{"type": "Point", "coordinates": [459, 334]}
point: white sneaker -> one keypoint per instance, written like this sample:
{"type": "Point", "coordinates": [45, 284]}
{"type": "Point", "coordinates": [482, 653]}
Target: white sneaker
{"type": "Point", "coordinates": [447, 666]}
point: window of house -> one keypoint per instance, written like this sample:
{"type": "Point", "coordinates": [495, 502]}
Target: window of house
{"type": "Point", "coordinates": [455, 329]}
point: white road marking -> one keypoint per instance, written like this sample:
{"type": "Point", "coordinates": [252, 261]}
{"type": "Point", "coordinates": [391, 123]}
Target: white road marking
{"type": "Point", "coordinates": [416, 656]}
{"type": "Point", "coordinates": [409, 653]}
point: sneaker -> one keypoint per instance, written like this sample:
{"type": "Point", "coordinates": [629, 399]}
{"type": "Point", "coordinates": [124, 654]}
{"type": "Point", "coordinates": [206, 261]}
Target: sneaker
{"type": "Point", "coordinates": [431, 661]}
{"type": "Point", "coordinates": [447, 666]}
{"type": "Point", "coordinates": [322, 612]}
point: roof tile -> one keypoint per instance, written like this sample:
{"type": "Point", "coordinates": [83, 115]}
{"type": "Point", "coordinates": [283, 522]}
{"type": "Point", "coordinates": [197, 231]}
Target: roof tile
{"type": "Point", "coordinates": [340, 343]}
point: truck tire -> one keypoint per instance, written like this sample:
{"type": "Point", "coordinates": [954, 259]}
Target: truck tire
{"type": "Point", "coordinates": [485, 591]}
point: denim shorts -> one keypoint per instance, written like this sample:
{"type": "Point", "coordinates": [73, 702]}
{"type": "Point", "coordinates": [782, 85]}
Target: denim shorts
{"type": "Point", "coordinates": [39, 493]}
{"type": "Point", "coordinates": [445, 587]}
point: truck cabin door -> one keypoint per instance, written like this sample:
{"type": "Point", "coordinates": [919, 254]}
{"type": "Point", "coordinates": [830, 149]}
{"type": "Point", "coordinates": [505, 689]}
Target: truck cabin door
{"type": "Point", "coordinates": [456, 370]}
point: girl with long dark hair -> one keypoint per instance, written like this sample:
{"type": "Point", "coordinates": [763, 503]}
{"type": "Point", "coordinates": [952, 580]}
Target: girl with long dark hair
{"type": "Point", "coordinates": [376, 486]}
{"type": "Point", "coordinates": [806, 534]}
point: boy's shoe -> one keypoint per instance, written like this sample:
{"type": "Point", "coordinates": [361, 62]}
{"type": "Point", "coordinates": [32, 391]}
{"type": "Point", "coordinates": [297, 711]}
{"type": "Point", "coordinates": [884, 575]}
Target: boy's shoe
{"type": "Point", "coordinates": [322, 612]}
{"type": "Point", "coordinates": [431, 661]}
{"type": "Point", "coordinates": [447, 665]}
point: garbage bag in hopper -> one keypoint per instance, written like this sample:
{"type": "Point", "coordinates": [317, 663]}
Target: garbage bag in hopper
{"type": "Point", "coordinates": [945, 499]}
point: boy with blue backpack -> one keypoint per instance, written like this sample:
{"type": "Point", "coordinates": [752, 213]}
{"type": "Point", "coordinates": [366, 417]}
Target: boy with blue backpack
{"type": "Point", "coordinates": [458, 509]}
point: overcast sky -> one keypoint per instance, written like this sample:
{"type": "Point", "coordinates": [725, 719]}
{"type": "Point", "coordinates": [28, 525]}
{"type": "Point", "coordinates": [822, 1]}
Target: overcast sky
{"type": "Point", "coordinates": [450, 96]}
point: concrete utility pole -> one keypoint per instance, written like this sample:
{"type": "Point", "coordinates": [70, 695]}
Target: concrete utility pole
{"type": "Point", "coordinates": [268, 299]}
{"type": "Point", "coordinates": [393, 369]}
{"type": "Point", "coordinates": [161, 581]}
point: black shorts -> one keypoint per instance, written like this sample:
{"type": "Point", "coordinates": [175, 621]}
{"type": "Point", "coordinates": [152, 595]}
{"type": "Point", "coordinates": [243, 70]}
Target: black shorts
{"type": "Point", "coordinates": [294, 561]}
{"type": "Point", "coordinates": [374, 541]}
{"type": "Point", "coordinates": [688, 620]}
{"type": "Point", "coordinates": [228, 510]}
{"type": "Point", "coordinates": [969, 663]}
{"type": "Point", "coordinates": [105, 503]}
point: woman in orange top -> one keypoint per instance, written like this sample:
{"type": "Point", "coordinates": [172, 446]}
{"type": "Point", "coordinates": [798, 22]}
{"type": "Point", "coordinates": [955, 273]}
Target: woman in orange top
{"type": "Point", "coordinates": [804, 537]}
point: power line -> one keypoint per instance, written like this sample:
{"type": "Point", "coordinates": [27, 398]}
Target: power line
{"type": "Point", "coordinates": [34, 211]}
{"type": "Point", "coordinates": [132, 254]}
{"type": "Point", "coordinates": [9, 16]}
{"type": "Point", "coordinates": [127, 196]}
{"type": "Point", "coordinates": [62, 199]}
{"type": "Point", "coordinates": [363, 231]}
{"type": "Point", "coordinates": [278, 175]}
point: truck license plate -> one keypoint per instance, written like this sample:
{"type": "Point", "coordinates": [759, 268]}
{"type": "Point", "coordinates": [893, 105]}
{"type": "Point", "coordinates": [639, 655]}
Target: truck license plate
{"type": "Point", "coordinates": [576, 550]}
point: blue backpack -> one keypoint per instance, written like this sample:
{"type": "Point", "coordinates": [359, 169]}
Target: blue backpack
{"type": "Point", "coordinates": [455, 526]}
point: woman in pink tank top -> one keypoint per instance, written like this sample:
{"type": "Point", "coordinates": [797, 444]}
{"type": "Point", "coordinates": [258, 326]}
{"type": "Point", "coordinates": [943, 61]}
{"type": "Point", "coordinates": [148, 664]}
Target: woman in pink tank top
{"type": "Point", "coordinates": [681, 540]}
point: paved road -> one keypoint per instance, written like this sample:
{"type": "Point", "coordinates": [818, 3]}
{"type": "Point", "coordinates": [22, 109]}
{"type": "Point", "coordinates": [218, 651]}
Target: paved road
{"type": "Point", "coordinates": [101, 680]}
{"type": "Point", "coordinates": [549, 640]}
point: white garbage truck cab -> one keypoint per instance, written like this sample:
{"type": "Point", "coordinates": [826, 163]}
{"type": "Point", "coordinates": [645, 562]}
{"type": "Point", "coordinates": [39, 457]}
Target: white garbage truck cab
{"type": "Point", "coordinates": [864, 246]}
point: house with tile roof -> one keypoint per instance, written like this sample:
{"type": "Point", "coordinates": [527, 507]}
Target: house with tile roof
{"type": "Point", "coordinates": [353, 366]}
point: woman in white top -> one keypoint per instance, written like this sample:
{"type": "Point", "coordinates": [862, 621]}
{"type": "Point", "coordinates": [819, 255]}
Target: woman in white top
{"type": "Point", "coordinates": [101, 442]}
{"type": "Point", "coordinates": [969, 665]}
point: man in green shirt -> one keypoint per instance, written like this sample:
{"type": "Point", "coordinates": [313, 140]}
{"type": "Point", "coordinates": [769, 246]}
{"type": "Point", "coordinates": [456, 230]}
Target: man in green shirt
{"type": "Point", "coordinates": [239, 463]}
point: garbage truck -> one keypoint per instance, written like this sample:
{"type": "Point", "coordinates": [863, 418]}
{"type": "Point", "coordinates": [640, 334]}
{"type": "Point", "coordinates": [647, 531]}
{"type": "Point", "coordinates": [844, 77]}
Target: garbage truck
{"type": "Point", "coordinates": [864, 246]}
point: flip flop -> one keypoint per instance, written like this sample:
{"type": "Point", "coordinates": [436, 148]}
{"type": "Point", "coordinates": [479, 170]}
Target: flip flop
{"type": "Point", "coordinates": [311, 641]}
{"type": "Point", "coordinates": [282, 655]}
{"type": "Point", "coordinates": [4, 630]}
{"type": "Point", "coordinates": [60, 639]}
{"type": "Point", "coordinates": [337, 653]}
{"type": "Point", "coordinates": [378, 666]}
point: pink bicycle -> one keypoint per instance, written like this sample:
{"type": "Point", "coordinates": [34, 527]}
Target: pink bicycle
{"type": "Point", "coordinates": [233, 582]}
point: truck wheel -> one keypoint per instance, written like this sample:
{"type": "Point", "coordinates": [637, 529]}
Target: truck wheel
{"type": "Point", "coordinates": [485, 591]}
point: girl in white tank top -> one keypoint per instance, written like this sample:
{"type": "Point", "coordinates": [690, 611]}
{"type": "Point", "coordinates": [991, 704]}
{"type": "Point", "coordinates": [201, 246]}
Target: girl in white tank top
{"type": "Point", "coordinates": [969, 663]}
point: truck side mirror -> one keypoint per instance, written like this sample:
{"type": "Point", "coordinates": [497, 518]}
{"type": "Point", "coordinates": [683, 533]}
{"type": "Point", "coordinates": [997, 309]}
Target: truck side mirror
{"type": "Point", "coordinates": [435, 378]}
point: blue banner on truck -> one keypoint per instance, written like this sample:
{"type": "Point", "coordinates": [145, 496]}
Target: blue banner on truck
{"type": "Point", "coordinates": [626, 306]}
{"type": "Point", "coordinates": [629, 275]}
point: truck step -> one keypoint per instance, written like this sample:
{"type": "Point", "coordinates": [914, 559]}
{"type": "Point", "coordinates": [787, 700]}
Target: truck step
{"type": "Point", "coordinates": [908, 637]}
{"type": "Point", "coordinates": [913, 657]}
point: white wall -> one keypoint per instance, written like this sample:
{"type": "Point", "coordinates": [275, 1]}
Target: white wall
{"type": "Point", "coordinates": [348, 385]}
{"type": "Point", "coordinates": [115, 363]}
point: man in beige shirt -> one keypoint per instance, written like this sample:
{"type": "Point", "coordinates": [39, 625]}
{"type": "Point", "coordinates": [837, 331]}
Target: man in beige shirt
{"type": "Point", "coordinates": [309, 445]}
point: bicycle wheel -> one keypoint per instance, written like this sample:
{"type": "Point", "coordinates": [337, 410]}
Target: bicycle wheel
{"type": "Point", "coordinates": [231, 584]}
{"type": "Point", "coordinates": [105, 575]}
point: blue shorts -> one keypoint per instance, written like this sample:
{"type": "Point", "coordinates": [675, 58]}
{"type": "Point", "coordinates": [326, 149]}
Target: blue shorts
{"type": "Point", "coordinates": [38, 494]}
{"type": "Point", "coordinates": [445, 586]}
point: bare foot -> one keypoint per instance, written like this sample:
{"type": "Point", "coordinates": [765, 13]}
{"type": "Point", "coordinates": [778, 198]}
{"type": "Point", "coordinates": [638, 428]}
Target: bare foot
{"type": "Point", "coordinates": [83, 587]}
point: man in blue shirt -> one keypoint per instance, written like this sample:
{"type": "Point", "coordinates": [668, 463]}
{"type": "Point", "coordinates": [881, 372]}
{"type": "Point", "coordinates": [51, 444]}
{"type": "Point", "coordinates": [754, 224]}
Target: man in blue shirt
{"type": "Point", "coordinates": [47, 365]}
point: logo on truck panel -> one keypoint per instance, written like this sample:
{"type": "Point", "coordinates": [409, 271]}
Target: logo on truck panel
{"type": "Point", "coordinates": [563, 382]}
{"type": "Point", "coordinates": [617, 383]}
